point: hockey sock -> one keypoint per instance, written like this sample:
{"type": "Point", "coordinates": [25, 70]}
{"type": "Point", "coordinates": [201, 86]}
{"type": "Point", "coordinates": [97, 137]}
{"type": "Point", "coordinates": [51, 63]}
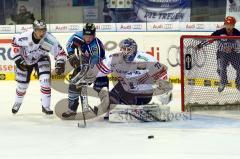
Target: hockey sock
{"type": "Point", "coordinates": [20, 92]}
{"type": "Point", "coordinates": [45, 90]}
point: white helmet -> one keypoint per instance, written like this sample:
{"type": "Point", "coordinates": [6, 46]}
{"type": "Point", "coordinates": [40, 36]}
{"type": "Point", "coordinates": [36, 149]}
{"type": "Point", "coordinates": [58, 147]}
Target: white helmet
{"type": "Point", "coordinates": [129, 49]}
{"type": "Point", "coordinates": [39, 24]}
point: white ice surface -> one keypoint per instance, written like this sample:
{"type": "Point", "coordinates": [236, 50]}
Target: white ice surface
{"type": "Point", "coordinates": [32, 135]}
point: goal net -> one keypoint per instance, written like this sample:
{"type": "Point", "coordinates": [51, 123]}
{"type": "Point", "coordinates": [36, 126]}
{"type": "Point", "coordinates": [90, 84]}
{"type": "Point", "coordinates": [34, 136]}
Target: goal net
{"type": "Point", "coordinates": [202, 74]}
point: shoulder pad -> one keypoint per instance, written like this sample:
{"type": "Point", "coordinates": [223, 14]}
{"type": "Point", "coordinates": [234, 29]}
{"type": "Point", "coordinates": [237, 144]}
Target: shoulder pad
{"type": "Point", "coordinates": [22, 39]}
{"type": "Point", "coordinates": [79, 34]}
{"type": "Point", "coordinates": [49, 38]}
{"type": "Point", "coordinates": [141, 57]}
{"type": "Point", "coordinates": [145, 57]}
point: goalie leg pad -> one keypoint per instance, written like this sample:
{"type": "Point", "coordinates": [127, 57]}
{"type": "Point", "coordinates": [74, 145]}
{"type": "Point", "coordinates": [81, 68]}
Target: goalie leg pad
{"type": "Point", "coordinates": [143, 113]}
{"type": "Point", "coordinates": [104, 98]}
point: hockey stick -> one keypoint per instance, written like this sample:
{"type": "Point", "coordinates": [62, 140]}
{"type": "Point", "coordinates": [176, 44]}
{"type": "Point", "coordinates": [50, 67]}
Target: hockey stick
{"type": "Point", "coordinates": [84, 103]}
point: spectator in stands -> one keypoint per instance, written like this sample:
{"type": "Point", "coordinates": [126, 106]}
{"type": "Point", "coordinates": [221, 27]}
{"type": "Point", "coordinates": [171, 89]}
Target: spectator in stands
{"type": "Point", "coordinates": [24, 16]}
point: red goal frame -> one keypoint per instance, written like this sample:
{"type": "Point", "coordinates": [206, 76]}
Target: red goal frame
{"type": "Point", "coordinates": [182, 57]}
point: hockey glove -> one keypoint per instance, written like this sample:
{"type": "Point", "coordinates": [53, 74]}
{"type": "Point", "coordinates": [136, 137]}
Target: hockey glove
{"type": "Point", "coordinates": [21, 64]}
{"type": "Point", "coordinates": [199, 46]}
{"type": "Point", "coordinates": [74, 61]}
{"type": "Point", "coordinates": [60, 67]}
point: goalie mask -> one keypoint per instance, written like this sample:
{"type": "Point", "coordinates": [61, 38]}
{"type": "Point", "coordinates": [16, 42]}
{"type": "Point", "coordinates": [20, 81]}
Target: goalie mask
{"type": "Point", "coordinates": [129, 49]}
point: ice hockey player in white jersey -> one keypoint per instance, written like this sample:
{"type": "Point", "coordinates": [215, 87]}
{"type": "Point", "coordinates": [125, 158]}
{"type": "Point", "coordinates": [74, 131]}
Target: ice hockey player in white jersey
{"type": "Point", "coordinates": [31, 50]}
{"type": "Point", "coordinates": [137, 73]}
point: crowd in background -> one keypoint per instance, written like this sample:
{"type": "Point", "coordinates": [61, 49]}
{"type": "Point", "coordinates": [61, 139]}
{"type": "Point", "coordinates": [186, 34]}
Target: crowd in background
{"type": "Point", "coordinates": [111, 11]}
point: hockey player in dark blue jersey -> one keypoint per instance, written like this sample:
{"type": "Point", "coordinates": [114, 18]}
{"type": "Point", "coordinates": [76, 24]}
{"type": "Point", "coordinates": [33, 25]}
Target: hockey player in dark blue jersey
{"type": "Point", "coordinates": [227, 52]}
{"type": "Point", "coordinates": [89, 50]}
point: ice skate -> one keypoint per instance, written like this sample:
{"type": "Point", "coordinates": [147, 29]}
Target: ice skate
{"type": "Point", "coordinates": [221, 88]}
{"type": "Point", "coordinates": [69, 113]}
{"type": "Point", "coordinates": [106, 116]}
{"type": "Point", "coordinates": [16, 107]}
{"type": "Point", "coordinates": [47, 111]}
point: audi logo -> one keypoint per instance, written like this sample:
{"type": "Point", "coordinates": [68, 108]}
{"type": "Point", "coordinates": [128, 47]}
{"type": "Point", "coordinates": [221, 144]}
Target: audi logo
{"type": "Point", "coordinates": [137, 26]}
{"type": "Point", "coordinates": [74, 27]}
{"type": "Point", "coordinates": [106, 27]}
{"type": "Point", "coordinates": [198, 56]}
{"type": "Point", "coordinates": [168, 26]}
{"type": "Point", "coordinates": [5, 28]}
{"type": "Point", "coordinates": [173, 56]}
{"type": "Point", "coordinates": [200, 26]}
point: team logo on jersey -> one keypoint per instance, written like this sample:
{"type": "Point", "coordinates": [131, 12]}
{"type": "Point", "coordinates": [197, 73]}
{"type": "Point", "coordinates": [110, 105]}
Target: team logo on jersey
{"type": "Point", "coordinates": [86, 54]}
{"type": "Point", "coordinates": [141, 66]}
{"type": "Point", "coordinates": [94, 50]}
{"type": "Point", "coordinates": [22, 38]}
{"type": "Point", "coordinates": [16, 50]}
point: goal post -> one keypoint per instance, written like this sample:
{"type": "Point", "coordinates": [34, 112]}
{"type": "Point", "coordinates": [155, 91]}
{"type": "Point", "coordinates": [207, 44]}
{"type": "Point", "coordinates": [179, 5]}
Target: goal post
{"type": "Point", "coordinates": [202, 74]}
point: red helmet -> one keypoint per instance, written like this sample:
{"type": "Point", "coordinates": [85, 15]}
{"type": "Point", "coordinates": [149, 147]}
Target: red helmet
{"type": "Point", "coordinates": [230, 20]}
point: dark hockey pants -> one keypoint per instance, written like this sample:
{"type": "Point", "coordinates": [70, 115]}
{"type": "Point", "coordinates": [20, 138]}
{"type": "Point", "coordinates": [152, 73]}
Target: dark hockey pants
{"type": "Point", "coordinates": [119, 96]}
{"type": "Point", "coordinates": [223, 61]}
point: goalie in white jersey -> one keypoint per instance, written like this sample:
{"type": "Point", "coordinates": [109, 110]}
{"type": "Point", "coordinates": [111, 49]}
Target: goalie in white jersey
{"type": "Point", "coordinates": [139, 76]}
{"type": "Point", "coordinates": [30, 50]}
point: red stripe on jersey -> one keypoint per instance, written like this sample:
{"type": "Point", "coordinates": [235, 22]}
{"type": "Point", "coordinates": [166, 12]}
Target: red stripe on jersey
{"type": "Point", "coordinates": [100, 69]}
{"type": "Point", "coordinates": [46, 91]}
{"type": "Point", "coordinates": [104, 66]}
{"type": "Point", "coordinates": [5, 40]}
{"type": "Point", "coordinates": [20, 93]}
{"type": "Point", "coordinates": [144, 78]}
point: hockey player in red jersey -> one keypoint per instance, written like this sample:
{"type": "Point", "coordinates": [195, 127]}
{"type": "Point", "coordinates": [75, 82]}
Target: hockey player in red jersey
{"type": "Point", "coordinates": [30, 50]}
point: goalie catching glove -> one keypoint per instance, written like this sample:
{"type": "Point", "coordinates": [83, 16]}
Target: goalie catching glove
{"type": "Point", "coordinates": [21, 64]}
{"type": "Point", "coordinates": [74, 61]}
{"type": "Point", "coordinates": [60, 67]}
